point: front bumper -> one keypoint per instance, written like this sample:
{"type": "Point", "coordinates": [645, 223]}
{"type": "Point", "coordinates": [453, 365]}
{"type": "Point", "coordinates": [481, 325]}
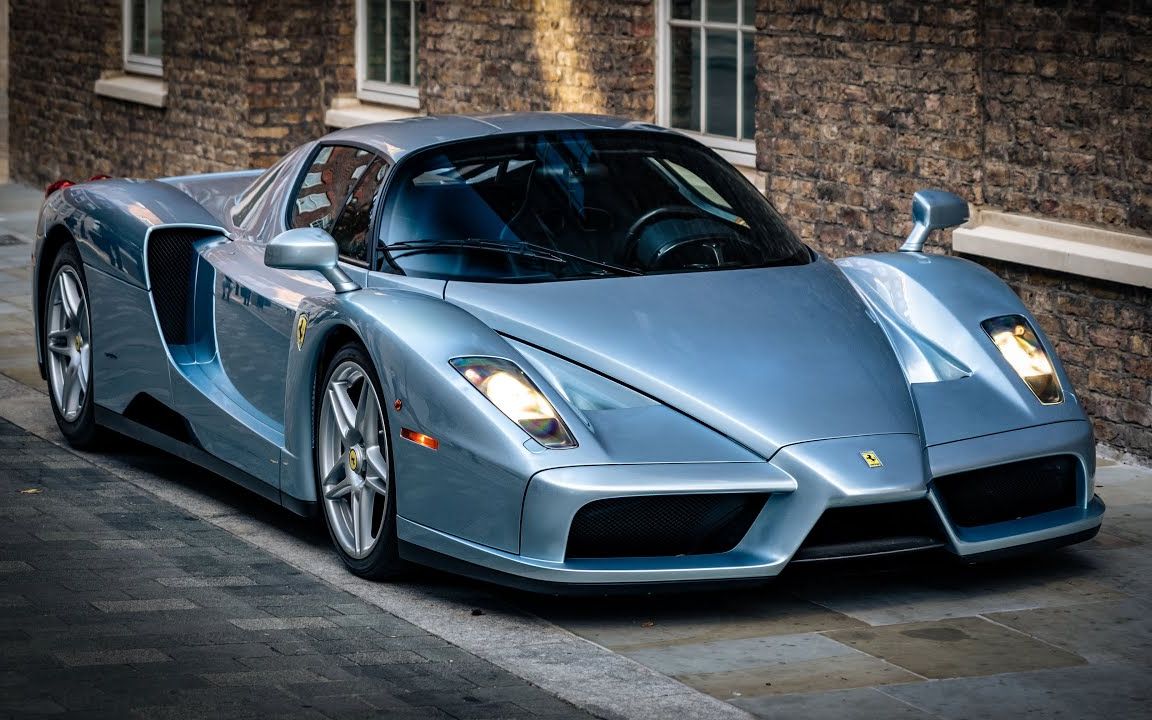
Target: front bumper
{"type": "Point", "coordinates": [802, 481]}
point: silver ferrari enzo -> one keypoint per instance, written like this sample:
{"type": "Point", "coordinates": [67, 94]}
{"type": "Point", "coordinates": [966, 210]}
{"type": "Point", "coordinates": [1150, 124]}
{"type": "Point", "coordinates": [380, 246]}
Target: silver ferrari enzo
{"type": "Point", "coordinates": [558, 350]}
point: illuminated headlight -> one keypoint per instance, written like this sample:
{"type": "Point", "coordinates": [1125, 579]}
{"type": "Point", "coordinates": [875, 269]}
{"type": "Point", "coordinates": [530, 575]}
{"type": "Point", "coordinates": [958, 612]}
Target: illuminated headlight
{"type": "Point", "coordinates": [1018, 343]}
{"type": "Point", "coordinates": [510, 390]}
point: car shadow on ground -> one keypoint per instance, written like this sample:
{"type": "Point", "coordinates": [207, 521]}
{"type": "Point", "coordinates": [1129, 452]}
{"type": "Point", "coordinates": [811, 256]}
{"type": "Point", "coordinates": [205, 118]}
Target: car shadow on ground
{"type": "Point", "coordinates": [933, 579]}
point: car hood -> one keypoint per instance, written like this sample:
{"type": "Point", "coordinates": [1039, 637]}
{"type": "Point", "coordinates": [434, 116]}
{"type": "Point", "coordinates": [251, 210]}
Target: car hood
{"type": "Point", "coordinates": [769, 357]}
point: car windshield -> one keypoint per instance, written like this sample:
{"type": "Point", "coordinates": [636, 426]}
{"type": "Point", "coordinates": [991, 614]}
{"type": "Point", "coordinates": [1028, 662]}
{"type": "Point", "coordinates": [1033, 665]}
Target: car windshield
{"type": "Point", "coordinates": [555, 206]}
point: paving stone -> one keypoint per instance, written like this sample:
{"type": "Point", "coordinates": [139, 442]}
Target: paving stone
{"type": "Point", "coordinates": [630, 623]}
{"type": "Point", "coordinates": [211, 581]}
{"type": "Point", "coordinates": [1099, 632]}
{"type": "Point", "coordinates": [386, 657]}
{"type": "Point", "coordinates": [854, 704]}
{"type": "Point", "coordinates": [827, 673]}
{"type": "Point", "coordinates": [112, 657]}
{"type": "Point", "coordinates": [956, 648]}
{"type": "Point", "coordinates": [1103, 692]}
{"type": "Point", "coordinates": [275, 623]}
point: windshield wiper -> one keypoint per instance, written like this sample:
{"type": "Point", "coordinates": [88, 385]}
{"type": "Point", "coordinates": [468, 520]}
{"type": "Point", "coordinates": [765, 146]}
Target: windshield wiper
{"type": "Point", "coordinates": [527, 249]}
{"type": "Point", "coordinates": [411, 246]}
{"type": "Point", "coordinates": [580, 258]}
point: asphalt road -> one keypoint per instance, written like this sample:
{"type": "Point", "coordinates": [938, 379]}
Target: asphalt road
{"type": "Point", "coordinates": [1065, 634]}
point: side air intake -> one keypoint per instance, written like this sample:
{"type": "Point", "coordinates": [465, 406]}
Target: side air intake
{"type": "Point", "coordinates": [171, 263]}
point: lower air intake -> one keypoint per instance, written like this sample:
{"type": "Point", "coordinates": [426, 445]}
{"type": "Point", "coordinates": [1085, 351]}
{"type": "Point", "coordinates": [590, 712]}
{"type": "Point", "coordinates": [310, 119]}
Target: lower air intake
{"type": "Point", "coordinates": [662, 525]}
{"type": "Point", "coordinates": [1008, 492]}
{"type": "Point", "coordinates": [866, 530]}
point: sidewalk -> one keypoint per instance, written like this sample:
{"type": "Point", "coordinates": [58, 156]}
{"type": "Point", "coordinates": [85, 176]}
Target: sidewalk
{"type": "Point", "coordinates": [116, 604]}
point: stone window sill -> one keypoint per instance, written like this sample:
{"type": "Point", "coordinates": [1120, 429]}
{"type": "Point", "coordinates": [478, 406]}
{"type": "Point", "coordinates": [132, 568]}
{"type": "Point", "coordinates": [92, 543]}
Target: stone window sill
{"type": "Point", "coordinates": [1066, 247]}
{"type": "Point", "coordinates": [347, 112]}
{"type": "Point", "coordinates": [134, 88]}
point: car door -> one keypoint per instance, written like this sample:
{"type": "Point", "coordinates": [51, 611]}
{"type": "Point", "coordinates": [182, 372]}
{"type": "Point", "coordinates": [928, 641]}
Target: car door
{"type": "Point", "coordinates": [254, 306]}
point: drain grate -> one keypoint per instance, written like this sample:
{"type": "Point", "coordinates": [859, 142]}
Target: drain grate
{"type": "Point", "coordinates": [10, 240]}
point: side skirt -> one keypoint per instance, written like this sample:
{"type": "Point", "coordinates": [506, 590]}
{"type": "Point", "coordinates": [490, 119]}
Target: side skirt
{"type": "Point", "coordinates": [130, 428]}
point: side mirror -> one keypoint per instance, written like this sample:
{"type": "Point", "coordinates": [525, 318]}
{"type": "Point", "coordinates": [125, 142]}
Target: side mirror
{"type": "Point", "coordinates": [933, 210]}
{"type": "Point", "coordinates": [309, 249]}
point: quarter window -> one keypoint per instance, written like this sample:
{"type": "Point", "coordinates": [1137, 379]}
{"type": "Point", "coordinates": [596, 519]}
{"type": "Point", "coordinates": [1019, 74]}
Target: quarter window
{"type": "Point", "coordinates": [143, 36]}
{"type": "Point", "coordinates": [708, 73]}
{"type": "Point", "coordinates": [386, 51]}
{"type": "Point", "coordinates": [336, 195]}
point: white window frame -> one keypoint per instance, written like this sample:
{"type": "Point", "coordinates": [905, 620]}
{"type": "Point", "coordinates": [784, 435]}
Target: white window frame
{"type": "Point", "coordinates": [737, 152]}
{"type": "Point", "coordinates": [133, 62]}
{"type": "Point", "coordinates": [376, 91]}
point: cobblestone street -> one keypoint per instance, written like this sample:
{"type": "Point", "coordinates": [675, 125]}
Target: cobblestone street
{"type": "Point", "coordinates": [118, 603]}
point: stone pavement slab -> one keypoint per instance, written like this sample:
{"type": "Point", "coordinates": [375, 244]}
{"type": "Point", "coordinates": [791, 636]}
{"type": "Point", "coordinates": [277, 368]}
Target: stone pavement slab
{"type": "Point", "coordinates": [956, 647]}
{"type": "Point", "coordinates": [95, 624]}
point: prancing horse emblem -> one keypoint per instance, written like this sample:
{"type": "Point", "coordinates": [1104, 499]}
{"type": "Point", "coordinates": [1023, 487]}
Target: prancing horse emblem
{"type": "Point", "coordinates": [871, 458]}
{"type": "Point", "coordinates": [301, 328]}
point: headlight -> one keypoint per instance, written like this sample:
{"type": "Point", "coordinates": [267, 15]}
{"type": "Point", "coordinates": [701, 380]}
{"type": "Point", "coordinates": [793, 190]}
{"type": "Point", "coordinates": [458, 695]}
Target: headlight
{"type": "Point", "coordinates": [1022, 349]}
{"type": "Point", "coordinates": [510, 390]}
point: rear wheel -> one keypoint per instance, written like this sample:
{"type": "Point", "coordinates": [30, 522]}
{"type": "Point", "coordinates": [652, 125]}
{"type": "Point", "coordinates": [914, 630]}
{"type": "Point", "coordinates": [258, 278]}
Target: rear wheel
{"type": "Point", "coordinates": [67, 344]}
{"type": "Point", "coordinates": [353, 465]}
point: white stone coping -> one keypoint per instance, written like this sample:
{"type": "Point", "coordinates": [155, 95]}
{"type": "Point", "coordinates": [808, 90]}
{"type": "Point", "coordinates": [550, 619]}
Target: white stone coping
{"type": "Point", "coordinates": [348, 112]}
{"type": "Point", "coordinates": [138, 89]}
{"type": "Point", "coordinates": [1053, 245]}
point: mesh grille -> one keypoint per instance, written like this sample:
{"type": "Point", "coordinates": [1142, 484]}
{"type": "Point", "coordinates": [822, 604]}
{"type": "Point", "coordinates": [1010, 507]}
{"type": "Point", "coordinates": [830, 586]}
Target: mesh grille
{"type": "Point", "coordinates": [872, 529]}
{"type": "Point", "coordinates": [1010, 491]}
{"type": "Point", "coordinates": [170, 263]}
{"type": "Point", "coordinates": [662, 525]}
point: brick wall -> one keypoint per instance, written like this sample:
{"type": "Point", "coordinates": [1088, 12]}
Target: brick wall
{"type": "Point", "coordinates": [572, 55]}
{"type": "Point", "coordinates": [59, 128]}
{"type": "Point", "coordinates": [246, 81]}
{"type": "Point", "coordinates": [1037, 108]}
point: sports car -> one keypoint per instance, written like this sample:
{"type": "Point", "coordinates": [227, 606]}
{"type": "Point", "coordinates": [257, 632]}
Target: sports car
{"type": "Point", "coordinates": [558, 351]}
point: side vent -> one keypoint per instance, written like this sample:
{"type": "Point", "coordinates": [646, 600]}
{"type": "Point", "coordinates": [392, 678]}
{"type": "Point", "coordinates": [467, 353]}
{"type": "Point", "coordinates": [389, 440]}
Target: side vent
{"type": "Point", "coordinates": [155, 415]}
{"type": "Point", "coordinates": [171, 262]}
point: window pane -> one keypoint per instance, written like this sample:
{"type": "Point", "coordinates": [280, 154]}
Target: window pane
{"type": "Point", "coordinates": [749, 12]}
{"type": "Point", "coordinates": [326, 184]}
{"type": "Point", "coordinates": [138, 33]}
{"type": "Point", "coordinates": [401, 42]}
{"type": "Point", "coordinates": [375, 40]}
{"type": "Point", "coordinates": [749, 107]}
{"type": "Point", "coordinates": [684, 85]}
{"type": "Point", "coordinates": [155, 28]}
{"type": "Point", "coordinates": [721, 83]}
{"type": "Point", "coordinates": [351, 230]}
{"type": "Point", "coordinates": [686, 9]}
{"type": "Point", "coordinates": [721, 11]}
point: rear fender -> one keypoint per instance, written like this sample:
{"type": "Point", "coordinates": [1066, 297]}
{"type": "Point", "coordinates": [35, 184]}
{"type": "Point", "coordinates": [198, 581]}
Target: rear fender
{"type": "Point", "coordinates": [110, 221]}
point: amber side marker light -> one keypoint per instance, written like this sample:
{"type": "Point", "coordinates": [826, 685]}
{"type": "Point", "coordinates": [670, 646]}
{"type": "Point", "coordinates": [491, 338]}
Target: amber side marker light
{"type": "Point", "coordinates": [420, 438]}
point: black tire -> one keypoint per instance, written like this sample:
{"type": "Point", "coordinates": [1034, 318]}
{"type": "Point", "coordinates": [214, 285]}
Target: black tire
{"type": "Point", "coordinates": [383, 562]}
{"type": "Point", "coordinates": [82, 433]}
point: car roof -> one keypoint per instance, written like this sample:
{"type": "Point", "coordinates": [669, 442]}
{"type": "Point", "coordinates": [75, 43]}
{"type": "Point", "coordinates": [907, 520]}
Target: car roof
{"type": "Point", "coordinates": [396, 138]}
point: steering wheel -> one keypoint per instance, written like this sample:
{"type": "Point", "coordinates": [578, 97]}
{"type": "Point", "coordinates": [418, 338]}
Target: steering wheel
{"type": "Point", "coordinates": [632, 237]}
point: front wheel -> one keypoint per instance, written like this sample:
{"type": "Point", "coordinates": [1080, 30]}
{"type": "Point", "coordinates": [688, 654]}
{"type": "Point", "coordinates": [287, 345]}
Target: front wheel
{"type": "Point", "coordinates": [353, 464]}
{"type": "Point", "coordinates": [67, 342]}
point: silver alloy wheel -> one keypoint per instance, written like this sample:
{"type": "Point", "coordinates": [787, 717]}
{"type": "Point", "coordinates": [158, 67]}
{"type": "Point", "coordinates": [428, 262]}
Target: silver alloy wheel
{"type": "Point", "coordinates": [69, 343]}
{"type": "Point", "coordinates": [352, 452]}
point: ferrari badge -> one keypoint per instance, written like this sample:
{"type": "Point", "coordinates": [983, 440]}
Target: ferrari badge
{"type": "Point", "coordinates": [872, 459]}
{"type": "Point", "coordinates": [301, 328]}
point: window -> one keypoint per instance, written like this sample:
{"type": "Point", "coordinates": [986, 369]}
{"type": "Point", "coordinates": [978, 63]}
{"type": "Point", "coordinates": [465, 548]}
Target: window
{"type": "Point", "coordinates": [540, 207]}
{"type": "Point", "coordinates": [336, 195]}
{"type": "Point", "coordinates": [386, 51]}
{"type": "Point", "coordinates": [707, 73]}
{"type": "Point", "coordinates": [143, 36]}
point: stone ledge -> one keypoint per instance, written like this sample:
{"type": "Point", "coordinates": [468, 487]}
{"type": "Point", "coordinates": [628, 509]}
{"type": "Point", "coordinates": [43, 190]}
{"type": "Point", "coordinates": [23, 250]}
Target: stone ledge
{"type": "Point", "coordinates": [1066, 247]}
{"type": "Point", "coordinates": [134, 88]}
{"type": "Point", "coordinates": [348, 113]}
